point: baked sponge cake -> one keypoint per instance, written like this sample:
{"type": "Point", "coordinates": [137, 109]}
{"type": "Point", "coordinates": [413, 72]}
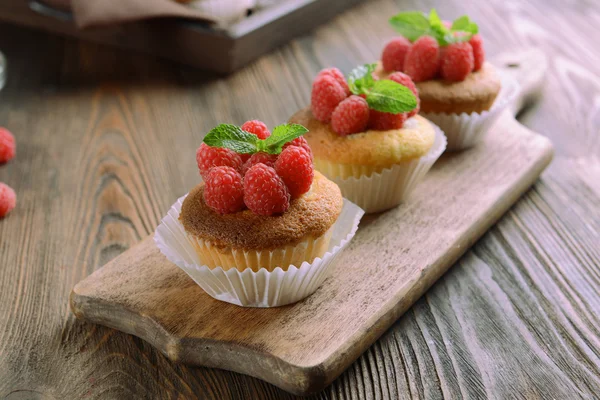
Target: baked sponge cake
{"type": "Point", "coordinates": [299, 234]}
{"type": "Point", "coordinates": [366, 135]}
{"type": "Point", "coordinates": [368, 152]}
{"type": "Point", "coordinates": [475, 94]}
{"type": "Point", "coordinates": [459, 91]}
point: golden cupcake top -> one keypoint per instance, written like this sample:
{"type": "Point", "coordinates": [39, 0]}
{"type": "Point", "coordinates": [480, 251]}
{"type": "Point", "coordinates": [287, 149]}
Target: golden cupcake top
{"type": "Point", "coordinates": [475, 93]}
{"type": "Point", "coordinates": [309, 215]}
{"type": "Point", "coordinates": [372, 147]}
{"type": "Point", "coordinates": [430, 47]}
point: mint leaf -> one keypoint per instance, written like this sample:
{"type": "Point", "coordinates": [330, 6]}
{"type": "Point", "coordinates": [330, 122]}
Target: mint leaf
{"type": "Point", "coordinates": [463, 29]}
{"type": "Point", "coordinates": [280, 136]}
{"type": "Point", "coordinates": [411, 25]}
{"type": "Point", "coordinates": [232, 137]}
{"type": "Point", "coordinates": [460, 23]}
{"type": "Point", "coordinates": [434, 19]}
{"type": "Point", "coordinates": [360, 79]}
{"type": "Point", "coordinates": [392, 97]}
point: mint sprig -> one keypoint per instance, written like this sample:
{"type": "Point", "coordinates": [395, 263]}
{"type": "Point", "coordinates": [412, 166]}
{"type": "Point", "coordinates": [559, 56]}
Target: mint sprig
{"type": "Point", "coordinates": [382, 95]}
{"type": "Point", "coordinates": [414, 24]}
{"type": "Point", "coordinates": [234, 138]}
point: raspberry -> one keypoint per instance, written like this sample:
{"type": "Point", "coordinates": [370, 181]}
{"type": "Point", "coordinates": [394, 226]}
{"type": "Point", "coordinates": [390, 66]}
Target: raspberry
{"type": "Point", "coordinates": [264, 191]}
{"type": "Point", "coordinates": [7, 145]}
{"type": "Point", "coordinates": [457, 62]}
{"type": "Point", "coordinates": [295, 167]}
{"type": "Point", "coordinates": [326, 95]}
{"type": "Point", "coordinates": [381, 121]}
{"type": "Point", "coordinates": [256, 158]}
{"type": "Point", "coordinates": [422, 60]}
{"type": "Point", "coordinates": [350, 116]}
{"type": "Point", "coordinates": [300, 142]}
{"type": "Point", "coordinates": [8, 199]}
{"type": "Point", "coordinates": [338, 76]}
{"type": "Point", "coordinates": [476, 43]}
{"type": "Point", "coordinates": [405, 80]}
{"type": "Point", "coordinates": [224, 190]}
{"type": "Point", "coordinates": [208, 157]}
{"type": "Point", "coordinates": [394, 54]}
{"type": "Point", "coordinates": [257, 127]}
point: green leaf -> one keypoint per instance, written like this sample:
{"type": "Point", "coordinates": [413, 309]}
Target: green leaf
{"type": "Point", "coordinates": [392, 97]}
{"type": "Point", "coordinates": [460, 23]}
{"type": "Point", "coordinates": [411, 24]}
{"type": "Point", "coordinates": [434, 19]}
{"type": "Point", "coordinates": [232, 137]}
{"type": "Point", "coordinates": [280, 136]}
{"type": "Point", "coordinates": [360, 79]}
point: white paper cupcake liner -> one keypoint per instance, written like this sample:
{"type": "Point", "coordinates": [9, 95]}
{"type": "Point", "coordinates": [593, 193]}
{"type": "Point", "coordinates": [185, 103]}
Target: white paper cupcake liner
{"type": "Point", "coordinates": [465, 130]}
{"type": "Point", "coordinates": [386, 189]}
{"type": "Point", "coordinates": [248, 288]}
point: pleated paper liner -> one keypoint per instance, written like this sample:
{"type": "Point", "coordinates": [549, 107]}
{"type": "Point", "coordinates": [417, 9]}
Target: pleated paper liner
{"type": "Point", "coordinates": [249, 288]}
{"type": "Point", "coordinates": [466, 130]}
{"type": "Point", "coordinates": [383, 190]}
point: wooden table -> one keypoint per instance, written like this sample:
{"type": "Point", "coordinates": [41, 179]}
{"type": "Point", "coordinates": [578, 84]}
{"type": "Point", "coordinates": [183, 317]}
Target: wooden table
{"type": "Point", "coordinates": [106, 143]}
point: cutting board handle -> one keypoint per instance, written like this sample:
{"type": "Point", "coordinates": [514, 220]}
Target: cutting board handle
{"type": "Point", "coordinates": [528, 67]}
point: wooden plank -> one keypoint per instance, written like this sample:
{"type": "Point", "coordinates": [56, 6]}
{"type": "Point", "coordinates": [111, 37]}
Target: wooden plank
{"type": "Point", "coordinates": [394, 258]}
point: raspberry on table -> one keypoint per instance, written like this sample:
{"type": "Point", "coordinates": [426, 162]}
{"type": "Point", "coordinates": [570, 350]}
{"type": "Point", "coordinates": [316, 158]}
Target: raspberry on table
{"type": "Point", "coordinates": [394, 54]}
{"type": "Point", "coordinates": [294, 166]}
{"type": "Point", "coordinates": [326, 95]}
{"type": "Point", "coordinates": [338, 76]}
{"type": "Point", "coordinates": [7, 145]}
{"type": "Point", "coordinates": [224, 190]}
{"type": "Point", "coordinates": [458, 61]}
{"type": "Point", "coordinates": [265, 193]}
{"type": "Point", "coordinates": [405, 80]}
{"type": "Point", "coordinates": [422, 59]}
{"type": "Point", "coordinates": [256, 158]}
{"type": "Point", "coordinates": [300, 142]}
{"type": "Point", "coordinates": [382, 121]}
{"type": "Point", "coordinates": [209, 157]}
{"type": "Point", "coordinates": [350, 116]}
{"type": "Point", "coordinates": [8, 200]}
{"type": "Point", "coordinates": [257, 127]}
{"type": "Point", "coordinates": [476, 43]}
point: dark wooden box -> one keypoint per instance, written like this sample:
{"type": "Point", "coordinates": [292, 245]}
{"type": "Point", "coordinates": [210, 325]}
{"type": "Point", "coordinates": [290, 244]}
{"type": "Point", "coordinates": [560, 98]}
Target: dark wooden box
{"type": "Point", "coordinates": [190, 42]}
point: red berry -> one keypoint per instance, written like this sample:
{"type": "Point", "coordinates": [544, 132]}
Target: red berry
{"type": "Point", "coordinates": [326, 95]}
{"type": "Point", "coordinates": [476, 43]}
{"type": "Point", "coordinates": [300, 142]}
{"type": "Point", "coordinates": [381, 121]}
{"type": "Point", "coordinates": [422, 60]}
{"type": "Point", "coordinates": [295, 167]}
{"type": "Point", "coordinates": [265, 192]}
{"type": "Point", "coordinates": [394, 54]}
{"type": "Point", "coordinates": [209, 157]}
{"type": "Point", "coordinates": [257, 127]}
{"type": "Point", "coordinates": [338, 76]}
{"type": "Point", "coordinates": [256, 158]}
{"type": "Point", "coordinates": [8, 199]}
{"type": "Point", "coordinates": [7, 145]}
{"type": "Point", "coordinates": [405, 80]}
{"type": "Point", "coordinates": [350, 116]}
{"type": "Point", "coordinates": [458, 61]}
{"type": "Point", "coordinates": [224, 190]}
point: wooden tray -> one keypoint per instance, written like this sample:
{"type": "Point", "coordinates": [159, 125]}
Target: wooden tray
{"type": "Point", "coordinates": [189, 42]}
{"type": "Point", "coordinates": [393, 259]}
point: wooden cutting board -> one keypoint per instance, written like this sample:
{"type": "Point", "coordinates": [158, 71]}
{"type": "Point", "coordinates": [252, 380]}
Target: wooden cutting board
{"type": "Point", "coordinates": [393, 259]}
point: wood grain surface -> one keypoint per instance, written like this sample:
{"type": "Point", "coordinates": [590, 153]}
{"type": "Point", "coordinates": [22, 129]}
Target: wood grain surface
{"type": "Point", "coordinates": [393, 259]}
{"type": "Point", "coordinates": [104, 140]}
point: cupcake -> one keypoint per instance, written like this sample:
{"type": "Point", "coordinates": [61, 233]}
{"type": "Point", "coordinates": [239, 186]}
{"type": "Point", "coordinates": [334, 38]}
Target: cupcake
{"type": "Point", "coordinates": [366, 136]}
{"type": "Point", "coordinates": [263, 227]}
{"type": "Point", "coordinates": [458, 89]}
